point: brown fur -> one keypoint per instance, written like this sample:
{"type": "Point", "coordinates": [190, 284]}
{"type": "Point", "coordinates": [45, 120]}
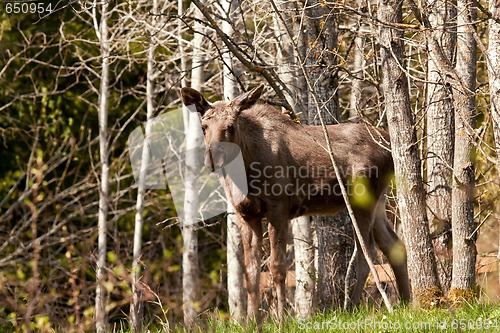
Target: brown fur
{"type": "Point", "coordinates": [269, 142]}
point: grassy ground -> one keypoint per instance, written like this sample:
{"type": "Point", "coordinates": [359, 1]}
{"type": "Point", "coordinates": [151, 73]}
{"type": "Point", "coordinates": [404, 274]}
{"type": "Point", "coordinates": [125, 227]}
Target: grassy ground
{"type": "Point", "coordinates": [470, 318]}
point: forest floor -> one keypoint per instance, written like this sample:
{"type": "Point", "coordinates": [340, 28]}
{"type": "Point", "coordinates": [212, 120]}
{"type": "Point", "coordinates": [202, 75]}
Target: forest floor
{"type": "Point", "coordinates": [469, 318]}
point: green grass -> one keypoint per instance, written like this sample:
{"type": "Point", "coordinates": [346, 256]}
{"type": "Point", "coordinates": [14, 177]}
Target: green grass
{"type": "Point", "coordinates": [470, 318]}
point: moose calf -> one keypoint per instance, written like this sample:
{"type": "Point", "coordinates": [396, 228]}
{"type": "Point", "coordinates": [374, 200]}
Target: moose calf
{"type": "Point", "coordinates": [290, 174]}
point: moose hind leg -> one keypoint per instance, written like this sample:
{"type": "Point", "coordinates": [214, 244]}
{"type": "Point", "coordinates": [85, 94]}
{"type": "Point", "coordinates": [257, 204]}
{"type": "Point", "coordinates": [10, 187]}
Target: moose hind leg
{"type": "Point", "coordinates": [251, 236]}
{"type": "Point", "coordinates": [362, 268]}
{"type": "Point", "coordinates": [278, 229]}
{"type": "Point", "coordinates": [364, 221]}
{"type": "Point", "coordinates": [395, 251]}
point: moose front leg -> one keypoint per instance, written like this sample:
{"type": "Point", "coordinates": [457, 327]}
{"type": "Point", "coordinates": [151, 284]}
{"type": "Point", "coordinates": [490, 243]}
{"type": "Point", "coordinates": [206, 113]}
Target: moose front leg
{"type": "Point", "coordinates": [278, 229]}
{"type": "Point", "coordinates": [251, 236]}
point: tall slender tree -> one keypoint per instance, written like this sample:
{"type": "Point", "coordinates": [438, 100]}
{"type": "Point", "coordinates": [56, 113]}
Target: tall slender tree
{"type": "Point", "coordinates": [335, 244]}
{"type": "Point", "coordinates": [494, 78]}
{"type": "Point", "coordinates": [291, 48]}
{"type": "Point", "coordinates": [235, 270]}
{"type": "Point", "coordinates": [103, 37]}
{"type": "Point", "coordinates": [440, 133]}
{"type": "Point", "coordinates": [410, 190]}
{"type": "Point", "coordinates": [464, 247]}
{"type": "Point", "coordinates": [136, 308]}
{"type": "Point", "coordinates": [358, 67]}
{"type": "Point", "coordinates": [194, 139]}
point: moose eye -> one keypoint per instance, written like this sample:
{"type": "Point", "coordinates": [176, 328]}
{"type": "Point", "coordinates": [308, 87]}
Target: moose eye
{"type": "Point", "coordinates": [230, 129]}
{"type": "Point", "coordinates": [203, 128]}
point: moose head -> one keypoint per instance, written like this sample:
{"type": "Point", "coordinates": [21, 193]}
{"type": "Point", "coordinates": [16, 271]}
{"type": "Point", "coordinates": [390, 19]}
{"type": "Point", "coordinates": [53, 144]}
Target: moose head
{"type": "Point", "coordinates": [219, 123]}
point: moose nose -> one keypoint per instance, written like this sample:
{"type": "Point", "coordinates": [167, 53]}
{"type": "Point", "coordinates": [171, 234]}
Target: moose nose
{"type": "Point", "coordinates": [209, 161]}
{"type": "Point", "coordinates": [215, 157]}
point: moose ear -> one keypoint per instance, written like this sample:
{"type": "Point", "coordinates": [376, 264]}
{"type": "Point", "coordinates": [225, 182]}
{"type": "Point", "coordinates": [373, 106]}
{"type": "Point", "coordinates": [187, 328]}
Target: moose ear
{"type": "Point", "coordinates": [191, 96]}
{"type": "Point", "coordinates": [246, 100]}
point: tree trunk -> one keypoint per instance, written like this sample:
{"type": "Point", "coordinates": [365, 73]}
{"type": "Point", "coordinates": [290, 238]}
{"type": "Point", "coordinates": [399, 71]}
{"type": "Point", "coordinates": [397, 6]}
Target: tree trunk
{"type": "Point", "coordinates": [136, 309]}
{"type": "Point", "coordinates": [357, 69]}
{"type": "Point", "coordinates": [464, 247]}
{"type": "Point", "coordinates": [182, 54]}
{"type": "Point", "coordinates": [335, 246]}
{"type": "Point", "coordinates": [235, 272]}
{"type": "Point", "coordinates": [287, 21]}
{"type": "Point", "coordinates": [190, 264]}
{"type": "Point", "coordinates": [100, 300]}
{"type": "Point", "coordinates": [440, 135]}
{"type": "Point", "coordinates": [322, 60]}
{"type": "Point", "coordinates": [357, 72]}
{"type": "Point", "coordinates": [411, 194]}
{"type": "Point", "coordinates": [304, 266]}
{"type": "Point", "coordinates": [287, 27]}
{"type": "Point", "coordinates": [189, 224]}
{"type": "Point", "coordinates": [494, 79]}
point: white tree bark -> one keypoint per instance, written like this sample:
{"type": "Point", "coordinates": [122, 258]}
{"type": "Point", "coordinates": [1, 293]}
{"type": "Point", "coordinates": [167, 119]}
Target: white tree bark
{"type": "Point", "coordinates": [190, 269]}
{"type": "Point", "coordinates": [357, 72]}
{"type": "Point", "coordinates": [235, 272]}
{"type": "Point", "coordinates": [102, 34]}
{"type": "Point", "coordinates": [182, 54]}
{"type": "Point", "coordinates": [304, 266]}
{"type": "Point", "coordinates": [464, 247]}
{"type": "Point", "coordinates": [357, 69]}
{"type": "Point", "coordinates": [494, 79]}
{"type": "Point", "coordinates": [190, 264]}
{"type": "Point", "coordinates": [136, 309]}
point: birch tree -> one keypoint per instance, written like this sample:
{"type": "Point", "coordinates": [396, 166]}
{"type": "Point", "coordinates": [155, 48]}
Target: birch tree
{"type": "Point", "coordinates": [440, 133]}
{"type": "Point", "coordinates": [358, 68]}
{"type": "Point", "coordinates": [102, 33]}
{"type": "Point", "coordinates": [136, 309]}
{"type": "Point", "coordinates": [235, 271]}
{"type": "Point", "coordinates": [494, 78]}
{"type": "Point", "coordinates": [190, 264]}
{"type": "Point", "coordinates": [464, 247]}
{"type": "Point", "coordinates": [410, 190]}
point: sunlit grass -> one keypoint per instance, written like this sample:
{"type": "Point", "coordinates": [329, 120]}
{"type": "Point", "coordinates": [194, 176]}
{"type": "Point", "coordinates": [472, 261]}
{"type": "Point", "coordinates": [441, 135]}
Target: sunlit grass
{"type": "Point", "coordinates": [482, 317]}
{"type": "Point", "coordinates": [469, 318]}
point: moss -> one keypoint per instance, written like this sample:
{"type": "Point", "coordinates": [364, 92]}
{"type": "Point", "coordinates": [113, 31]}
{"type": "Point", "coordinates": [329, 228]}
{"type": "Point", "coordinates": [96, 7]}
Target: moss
{"type": "Point", "coordinates": [429, 298]}
{"type": "Point", "coordinates": [460, 297]}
